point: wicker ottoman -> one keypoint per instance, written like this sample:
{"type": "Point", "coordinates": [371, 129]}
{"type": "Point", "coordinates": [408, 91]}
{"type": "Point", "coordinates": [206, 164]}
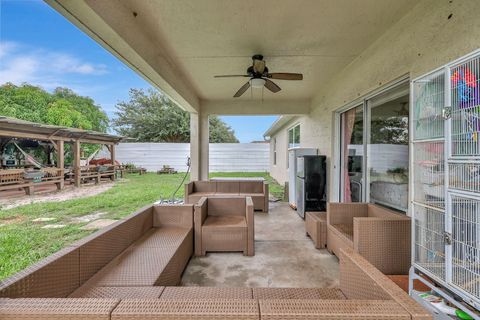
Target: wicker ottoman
{"type": "Point", "coordinates": [316, 228]}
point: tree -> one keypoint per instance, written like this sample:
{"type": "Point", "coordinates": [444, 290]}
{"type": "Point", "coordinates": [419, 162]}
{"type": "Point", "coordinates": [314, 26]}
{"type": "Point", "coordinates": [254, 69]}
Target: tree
{"type": "Point", "coordinates": [390, 130]}
{"type": "Point", "coordinates": [151, 117]}
{"type": "Point", "coordinates": [63, 107]}
{"type": "Point", "coordinates": [220, 132]}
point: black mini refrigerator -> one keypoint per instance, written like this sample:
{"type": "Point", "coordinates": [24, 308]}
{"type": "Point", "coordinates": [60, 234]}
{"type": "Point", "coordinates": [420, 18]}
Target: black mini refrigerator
{"type": "Point", "coordinates": [311, 184]}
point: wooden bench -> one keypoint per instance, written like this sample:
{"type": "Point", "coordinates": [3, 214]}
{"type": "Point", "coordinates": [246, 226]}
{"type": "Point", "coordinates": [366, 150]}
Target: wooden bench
{"type": "Point", "coordinates": [167, 170]}
{"type": "Point", "coordinates": [13, 179]}
{"type": "Point", "coordinates": [97, 172]}
{"type": "Point", "coordinates": [140, 171]}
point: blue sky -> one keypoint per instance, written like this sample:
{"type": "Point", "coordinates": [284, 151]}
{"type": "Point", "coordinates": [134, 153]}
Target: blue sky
{"type": "Point", "coordinates": [41, 47]}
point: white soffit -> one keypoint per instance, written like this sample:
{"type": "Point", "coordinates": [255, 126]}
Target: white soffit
{"type": "Point", "coordinates": [198, 39]}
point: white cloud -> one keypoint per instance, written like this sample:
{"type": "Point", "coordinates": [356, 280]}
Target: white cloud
{"type": "Point", "coordinates": [67, 63]}
{"type": "Point", "coordinates": [48, 69]}
{"type": "Point", "coordinates": [6, 47]}
{"type": "Point", "coordinates": [18, 70]}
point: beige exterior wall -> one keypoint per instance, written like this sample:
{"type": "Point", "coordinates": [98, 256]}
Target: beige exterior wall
{"type": "Point", "coordinates": [421, 41]}
{"type": "Point", "coordinates": [280, 171]}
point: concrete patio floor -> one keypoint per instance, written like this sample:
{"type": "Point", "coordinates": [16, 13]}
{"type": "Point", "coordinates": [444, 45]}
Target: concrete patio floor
{"type": "Point", "coordinates": [284, 257]}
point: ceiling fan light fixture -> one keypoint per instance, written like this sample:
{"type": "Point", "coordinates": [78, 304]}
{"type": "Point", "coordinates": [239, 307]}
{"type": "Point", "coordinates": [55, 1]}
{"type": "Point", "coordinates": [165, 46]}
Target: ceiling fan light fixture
{"type": "Point", "coordinates": [257, 83]}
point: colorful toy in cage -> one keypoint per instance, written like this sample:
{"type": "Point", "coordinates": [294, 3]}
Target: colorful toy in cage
{"type": "Point", "coordinates": [468, 93]}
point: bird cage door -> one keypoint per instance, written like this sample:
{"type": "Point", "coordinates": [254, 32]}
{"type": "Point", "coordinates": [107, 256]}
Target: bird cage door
{"type": "Point", "coordinates": [428, 170]}
{"type": "Point", "coordinates": [463, 182]}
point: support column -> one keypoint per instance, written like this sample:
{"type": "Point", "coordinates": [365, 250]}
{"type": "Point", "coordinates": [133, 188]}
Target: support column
{"type": "Point", "coordinates": [61, 162]}
{"type": "Point", "coordinates": [199, 146]}
{"type": "Point", "coordinates": [112, 154]}
{"type": "Point", "coordinates": [112, 157]}
{"type": "Point", "coordinates": [76, 162]}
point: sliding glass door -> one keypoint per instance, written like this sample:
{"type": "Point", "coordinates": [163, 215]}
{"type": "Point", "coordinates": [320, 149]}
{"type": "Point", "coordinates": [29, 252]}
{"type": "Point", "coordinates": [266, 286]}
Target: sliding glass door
{"type": "Point", "coordinates": [387, 148]}
{"type": "Point", "coordinates": [374, 151]}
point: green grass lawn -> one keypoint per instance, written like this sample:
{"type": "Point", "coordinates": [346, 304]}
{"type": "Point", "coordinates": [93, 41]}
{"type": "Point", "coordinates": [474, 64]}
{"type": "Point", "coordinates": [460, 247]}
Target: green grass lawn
{"type": "Point", "coordinates": [23, 242]}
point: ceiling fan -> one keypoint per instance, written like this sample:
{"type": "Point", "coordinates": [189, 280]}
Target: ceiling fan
{"type": "Point", "coordinates": [260, 77]}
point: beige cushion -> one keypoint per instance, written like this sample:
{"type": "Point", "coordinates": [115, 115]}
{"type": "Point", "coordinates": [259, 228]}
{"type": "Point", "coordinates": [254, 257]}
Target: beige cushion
{"type": "Point", "coordinates": [377, 211]}
{"type": "Point", "coordinates": [257, 198]}
{"type": "Point", "coordinates": [224, 221]}
{"type": "Point", "coordinates": [201, 194]}
{"type": "Point", "coordinates": [251, 186]}
{"type": "Point", "coordinates": [345, 229]}
{"type": "Point", "coordinates": [228, 187]}
{"type": "Point", "coordinates": [204, 186]}
{"type": "Point", "coordinates": [225, 206]}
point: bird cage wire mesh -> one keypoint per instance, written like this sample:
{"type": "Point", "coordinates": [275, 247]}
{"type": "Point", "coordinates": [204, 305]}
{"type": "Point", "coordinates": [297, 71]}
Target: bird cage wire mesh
{"type": "Point", "coordinates": [466, 244]}
{"type": "Point", "coordinates": [446, 176]}
{"type": "Point", "coordinates": [429, 241]}
{"type": "Point", "coordinates": [429, 173]}
{"type": "Point", "coordinates": [429, 96]}
{"type": "Point", "coordinates": [465, 120]}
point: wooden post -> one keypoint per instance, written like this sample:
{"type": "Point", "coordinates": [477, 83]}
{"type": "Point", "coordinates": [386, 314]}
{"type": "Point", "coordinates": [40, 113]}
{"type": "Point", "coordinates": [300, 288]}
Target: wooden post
{"type": "Point", "coordinates": [76, 162]}
{"type": "Point", "coordinates": [61, 162]}
{"type": "Point", "coordinates": [112, 157]}
{"type": "Point", "coordinates": [112, 153]}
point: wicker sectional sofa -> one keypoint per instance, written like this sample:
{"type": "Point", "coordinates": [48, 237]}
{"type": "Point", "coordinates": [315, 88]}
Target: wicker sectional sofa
{"type": "Point", "coordinates": [148, 248]}
{"type": "Point", "coordinates": [130, 271]}
{"type": "Point", "coordinates": [257, 190]}
{"type": "Point", "coordinates": [380, 235]}
{"type": "Point", "coordinates": [364, 293]}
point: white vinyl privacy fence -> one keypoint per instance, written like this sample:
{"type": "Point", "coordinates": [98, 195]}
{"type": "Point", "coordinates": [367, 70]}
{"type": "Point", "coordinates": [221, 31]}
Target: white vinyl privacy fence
{"type": "Point", "coordinates": [224, 157]}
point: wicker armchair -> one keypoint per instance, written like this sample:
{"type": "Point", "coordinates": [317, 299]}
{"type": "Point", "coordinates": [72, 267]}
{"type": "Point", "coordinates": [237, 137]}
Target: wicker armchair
{"type": "Point", "coordinates": [224, 224]}
{"type": "Point", "coordinates": [380, 235]}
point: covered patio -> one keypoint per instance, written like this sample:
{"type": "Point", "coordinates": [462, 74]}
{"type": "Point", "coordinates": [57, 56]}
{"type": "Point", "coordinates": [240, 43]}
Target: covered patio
{"type": "Point", "coordinates": [284, 257]}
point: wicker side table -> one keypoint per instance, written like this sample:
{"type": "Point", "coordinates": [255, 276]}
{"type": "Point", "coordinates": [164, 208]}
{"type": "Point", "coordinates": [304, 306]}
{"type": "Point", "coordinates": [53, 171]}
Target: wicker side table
{"type": "Point", "coordinates": [316, 228]}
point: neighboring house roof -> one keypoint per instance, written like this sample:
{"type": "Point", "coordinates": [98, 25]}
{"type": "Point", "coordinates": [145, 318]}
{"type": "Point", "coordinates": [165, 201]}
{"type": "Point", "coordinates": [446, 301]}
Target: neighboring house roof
{"type": "Point", "coordinates": [277, 125]}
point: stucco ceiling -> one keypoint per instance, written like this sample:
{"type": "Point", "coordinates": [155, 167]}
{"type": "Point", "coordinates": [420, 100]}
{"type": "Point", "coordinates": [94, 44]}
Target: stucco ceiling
{"type": "Point", "coordinates": [314, 37]}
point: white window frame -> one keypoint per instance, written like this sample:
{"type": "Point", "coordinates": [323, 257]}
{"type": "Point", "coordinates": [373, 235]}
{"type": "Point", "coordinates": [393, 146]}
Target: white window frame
{"type": "Point", "coordinates": [292, 128]}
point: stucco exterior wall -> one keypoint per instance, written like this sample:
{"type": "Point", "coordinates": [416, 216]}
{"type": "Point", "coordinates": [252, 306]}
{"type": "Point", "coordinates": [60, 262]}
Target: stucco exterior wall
{"type": "Point", "coordinates": [421, 41]}
{"type": "Point", "coordinates": [280, 171]}
{"type": "Point", "coordinates": [433, 33]}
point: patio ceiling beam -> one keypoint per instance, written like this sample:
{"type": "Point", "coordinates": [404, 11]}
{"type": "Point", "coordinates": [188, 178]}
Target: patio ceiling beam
{"type": "Point", "coordinates": [256, 107]}
{"type": "Point", "coordinates": [122, 32]}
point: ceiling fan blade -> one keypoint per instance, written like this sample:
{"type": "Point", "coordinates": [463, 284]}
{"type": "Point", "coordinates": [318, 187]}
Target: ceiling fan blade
{"type": "Point", "coordinates": [285, 76]}
{"type": "Point", "coordinates": [270, 85]}
{"type": "Point", "coordinates": [231, 75]}
{"type": "Point", "coordinates": [242, 90]}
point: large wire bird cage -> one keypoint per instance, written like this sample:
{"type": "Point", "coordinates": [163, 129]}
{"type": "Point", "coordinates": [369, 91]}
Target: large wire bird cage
{"type": "Point", "coordinates": [446, 177]}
